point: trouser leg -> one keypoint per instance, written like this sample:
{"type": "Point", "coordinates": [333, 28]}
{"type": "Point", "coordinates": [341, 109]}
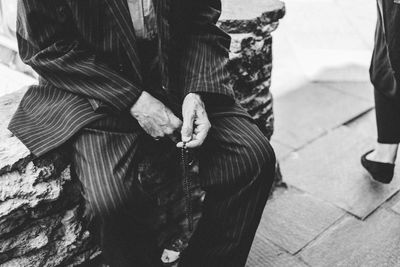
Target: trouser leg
{"type": "Point", "coordinates": [237, 167]}
{"type": "Point", "coordinates": [105, 157]}
{"type": "Point", "coordinates": [387, 118]}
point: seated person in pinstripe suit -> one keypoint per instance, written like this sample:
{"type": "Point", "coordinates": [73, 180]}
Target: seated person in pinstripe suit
{"type": "Point", "coordinates": [116, 75]}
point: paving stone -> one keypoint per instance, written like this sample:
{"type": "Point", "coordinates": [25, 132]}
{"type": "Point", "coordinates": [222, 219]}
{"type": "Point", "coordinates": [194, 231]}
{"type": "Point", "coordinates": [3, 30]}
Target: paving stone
{"type": "Point", "coordinates": [371, 243]}
{"type": "Point", "coordinates": [396, 207]}
{"type": "Point", "coordinates": [305, 114]}
{"type": "Point", "coordinates": [292, 219]}
{"type": "Point", "coordinates": [264, 253]}
{"type": "Point", "coordinates": [364, 90]}
{"type": "Point", "coordinates": [281, 150]}
{"type": "Point", "coordinates": [365, 125]}
{"type": "Point", "coordinates": [330, 169]}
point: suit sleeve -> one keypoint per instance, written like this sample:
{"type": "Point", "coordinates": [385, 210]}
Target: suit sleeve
{"type": "Point", "coordinates": [49, 42]}
{"type": "Point", "coordinates": [205, 48]}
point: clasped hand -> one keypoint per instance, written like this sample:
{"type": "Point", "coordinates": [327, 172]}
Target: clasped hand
{"type": "Point", "coordinates": [159, 121]}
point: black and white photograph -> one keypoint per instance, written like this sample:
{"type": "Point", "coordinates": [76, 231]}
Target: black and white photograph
{"type": "Point", "coordinates": [199, 133]}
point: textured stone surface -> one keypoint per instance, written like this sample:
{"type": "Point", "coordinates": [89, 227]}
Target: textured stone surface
{"type": "Point", "coordinates": [40, 204]}
{"type": "Point", "coordinates": [251, 56]}
{"type": "Point", "coordinates": [330, 170]}
{"type": "Point", "coordinates": [239, 17]}
{"type": "Point", "coordinates": [314, 109]}
{"type": "Point", "coordinates": [293, 219]}
{"type": "Point", "coordinates": [250, 63]}
{"type": "Point", "coordinates": [264, 253]}
{"type": "Point", "coordinates": [374, 242]}
{"type": "Point", "coordinates": [12, 80]}
{"type": "Point", "coordinates": [12, 151]}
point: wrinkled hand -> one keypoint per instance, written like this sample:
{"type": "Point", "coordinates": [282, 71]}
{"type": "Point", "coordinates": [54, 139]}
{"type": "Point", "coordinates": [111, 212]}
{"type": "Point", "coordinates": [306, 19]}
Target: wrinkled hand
{"type": "Point", "coordinates": [195, 121]}
{"type": "Point", "coordinates": [154, 117]}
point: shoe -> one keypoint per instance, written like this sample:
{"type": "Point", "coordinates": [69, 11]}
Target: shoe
{"type": "Point", "coordinates": [380, 171]}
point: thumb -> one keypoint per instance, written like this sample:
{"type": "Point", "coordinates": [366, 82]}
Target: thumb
{"type": "Point", "coordinates": [187, 127]}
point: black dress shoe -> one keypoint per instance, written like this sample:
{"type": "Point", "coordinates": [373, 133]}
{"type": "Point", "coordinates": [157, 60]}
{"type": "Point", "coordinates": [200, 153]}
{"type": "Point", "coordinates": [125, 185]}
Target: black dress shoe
{"type": "Point", "coordinates": [381, 172]}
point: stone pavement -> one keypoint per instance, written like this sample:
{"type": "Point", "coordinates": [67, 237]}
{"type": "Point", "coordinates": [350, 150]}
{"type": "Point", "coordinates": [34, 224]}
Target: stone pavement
{"type": "Point", "coordinates": [331, 213]}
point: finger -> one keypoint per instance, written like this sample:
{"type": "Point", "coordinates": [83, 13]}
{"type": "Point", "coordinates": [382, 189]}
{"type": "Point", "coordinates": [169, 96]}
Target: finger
{"type": "Point", "coordinates": [168, 130]}
{"type": "Point", "coordinates": [190, 144]}
{"type": "Point", "coordinates": [174, 121]}
{"type": "Point", "coordinates": [201, 114]}
{"type": "Point", "coordinates": [198, 138]}
{"type": "Point", "coordinates": [158, 136]}
{"type": "Point", "coordinates": [174, 136]}
{"type": "Point", "coordinates": [194, 144]}
{"type": "Point", "coordinates": [187, 127]}
{"type": "Point", "coordinates": [155, 132]}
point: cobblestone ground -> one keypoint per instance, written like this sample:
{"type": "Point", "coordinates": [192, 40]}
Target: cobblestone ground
{"type": "Point", "coordinates": [331, 214]}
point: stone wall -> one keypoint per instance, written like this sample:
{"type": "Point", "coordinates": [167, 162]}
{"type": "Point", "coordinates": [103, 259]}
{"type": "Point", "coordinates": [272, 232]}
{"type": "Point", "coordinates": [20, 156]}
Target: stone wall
{"type": "Point", "coordinates": [41, 212]}
{"type": "Point", "coordinates": [251, 58]}
{"type": "Point", "coordinates": [40, 204]}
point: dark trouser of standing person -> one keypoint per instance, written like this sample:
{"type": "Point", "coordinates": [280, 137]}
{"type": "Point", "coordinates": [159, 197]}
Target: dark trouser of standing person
{"type": "Point", "coordinates": [387, 118]}
{"type": "Point", "coordinates": [384, 72]}
{"type": "Point", "coordinates": [237, 167]}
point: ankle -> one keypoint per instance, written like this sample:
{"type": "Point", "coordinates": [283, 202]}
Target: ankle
{"type": "Point", "coordinates": [385, 153]}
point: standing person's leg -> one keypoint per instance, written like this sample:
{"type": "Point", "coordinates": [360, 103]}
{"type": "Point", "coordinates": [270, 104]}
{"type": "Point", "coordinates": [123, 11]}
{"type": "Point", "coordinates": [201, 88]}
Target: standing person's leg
{"type": "Point", "coordinates": [105, 155]}
{"type": "Point", "coordinates": [380, 161]}
{"type": "Point", "coordinates": [388, 126]}
{"type": "Point", "coordinates": [236, 170]}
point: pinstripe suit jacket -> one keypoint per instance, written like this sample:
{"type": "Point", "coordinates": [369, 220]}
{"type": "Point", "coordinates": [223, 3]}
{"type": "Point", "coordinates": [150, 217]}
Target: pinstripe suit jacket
{"type": "Point", "coordinates": [86, 55]}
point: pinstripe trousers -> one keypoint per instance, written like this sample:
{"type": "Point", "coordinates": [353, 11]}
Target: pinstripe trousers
{"type": "Point", "coordinates": [236, 171]}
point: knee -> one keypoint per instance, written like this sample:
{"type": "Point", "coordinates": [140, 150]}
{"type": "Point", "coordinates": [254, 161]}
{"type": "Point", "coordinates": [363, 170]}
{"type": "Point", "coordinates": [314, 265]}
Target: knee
{"type": "Point", "coordinates": [266, 154]}
{"type": "Point", "coordinates": [261, 157]}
